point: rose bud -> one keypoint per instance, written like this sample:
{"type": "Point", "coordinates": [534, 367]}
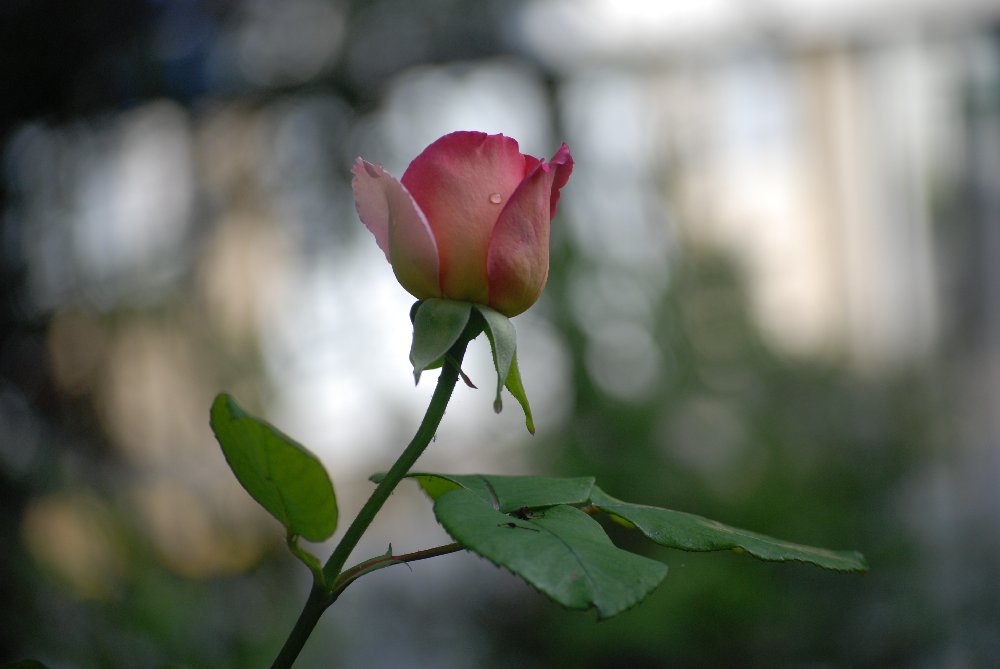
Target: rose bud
{"type": "Point", "coordinates": [469, 220]}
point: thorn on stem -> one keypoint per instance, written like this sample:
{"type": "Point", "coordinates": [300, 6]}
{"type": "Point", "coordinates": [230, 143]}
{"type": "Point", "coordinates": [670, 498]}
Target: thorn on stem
{"type": "Point", "coordinates": [467, 380]}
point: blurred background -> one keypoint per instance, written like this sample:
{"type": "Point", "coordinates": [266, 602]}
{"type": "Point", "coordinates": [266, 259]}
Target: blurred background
{"type": "Point", "coordinates": [774, 301]}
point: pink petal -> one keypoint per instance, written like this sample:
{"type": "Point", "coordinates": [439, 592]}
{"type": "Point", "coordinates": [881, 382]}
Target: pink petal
{"type": "Point", "coordinates": [518, 258]}
{"type": "Point", "coordinates": [461, 182]}
{"type": "Point", "coordinates": [370, 201]}
{"type": "Point", "coordinates": [563, 163]}
{"type": "Point", "coordinates": [400, 228]}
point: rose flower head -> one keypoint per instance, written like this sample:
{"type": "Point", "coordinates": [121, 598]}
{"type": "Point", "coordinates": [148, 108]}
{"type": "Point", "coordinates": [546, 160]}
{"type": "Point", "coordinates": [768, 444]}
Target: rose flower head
{"type": "Point", "coordinates": [469, 220]}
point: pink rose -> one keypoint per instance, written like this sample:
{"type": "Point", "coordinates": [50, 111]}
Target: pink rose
{"type": "Point", "coordinates": [468, 221]}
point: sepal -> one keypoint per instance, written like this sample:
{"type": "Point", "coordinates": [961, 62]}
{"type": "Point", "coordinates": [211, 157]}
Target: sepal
{"type": "Point", "coordinates": [503, 342]}
{"type": "Point", "coordinates": [437, 325]}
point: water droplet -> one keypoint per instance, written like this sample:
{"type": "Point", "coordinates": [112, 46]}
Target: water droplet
{"type": "Point", "coordinates": [495, 198]}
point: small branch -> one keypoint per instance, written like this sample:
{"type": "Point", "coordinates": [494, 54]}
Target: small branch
{"type": "Point", "coordinates": [348, 576]}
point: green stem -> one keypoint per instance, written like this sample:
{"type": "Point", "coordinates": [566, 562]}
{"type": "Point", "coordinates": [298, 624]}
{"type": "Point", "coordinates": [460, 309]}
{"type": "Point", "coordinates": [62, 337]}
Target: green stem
{"type": "Point", "coordinates": [318, 601]}
{"type": "Point", "coordinates": [425, 433]}
{"type": "Point", "coordinates": [323, 593]}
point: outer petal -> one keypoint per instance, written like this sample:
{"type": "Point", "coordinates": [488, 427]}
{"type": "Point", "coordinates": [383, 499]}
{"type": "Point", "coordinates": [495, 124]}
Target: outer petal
{"type": "Point", "coordinates": [456, 182]}
{"type": "Point", "coordinates": [371, 202]}
{"type": "Point", "coordinates": [400, 228]}
{"type": "Point", "coordinates": [562, 162]}
{"type": "Point", "coordinates": [518, 258]}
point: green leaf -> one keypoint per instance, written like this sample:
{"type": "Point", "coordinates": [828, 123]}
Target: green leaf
{"type": "Point", "coordinates": [689, 532]}
{"type": "Point", "coordinates": [510, 493]}
{"type": "Point", "coordinates": [561, 551]}
{"type": "Point", "coordinates": [24, 664]}
{"type": "Point", "coordinates": [437, 325]}
{"type": "Point", "coordinates": [281, 474]}
{"type": "Point", "coordinates": [503, 342]}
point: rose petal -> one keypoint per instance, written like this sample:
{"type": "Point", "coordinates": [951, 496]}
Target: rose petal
{"type": "Point", "coordinates": [518, 258]}
{"type": "Point", "coordinates": [563, 165]}
{"type": "Point", "coordinates": [370, 201]}
{"type": "Point", "coordinates": [400, 229]}
{"type": "Point", "coordinates": [455, 182]}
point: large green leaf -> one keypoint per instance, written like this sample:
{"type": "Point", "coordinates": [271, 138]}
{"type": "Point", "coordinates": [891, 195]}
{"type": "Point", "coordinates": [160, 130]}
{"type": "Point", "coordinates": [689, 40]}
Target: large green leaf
{"type": "Point", "coordinates": [281, 474]}
{"type": "Point", "coordinates": [509, 493]}
{"type": "Point", "coordinates": [560, 551]}
{"type": "Point", "coordinates": [689, 532]}
{"type": "Point", "coordinates": [437, 325]}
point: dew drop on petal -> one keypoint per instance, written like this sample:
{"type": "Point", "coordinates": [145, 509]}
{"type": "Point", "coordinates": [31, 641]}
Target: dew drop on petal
{"type": "Point", "coordinates": [495, 198]}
